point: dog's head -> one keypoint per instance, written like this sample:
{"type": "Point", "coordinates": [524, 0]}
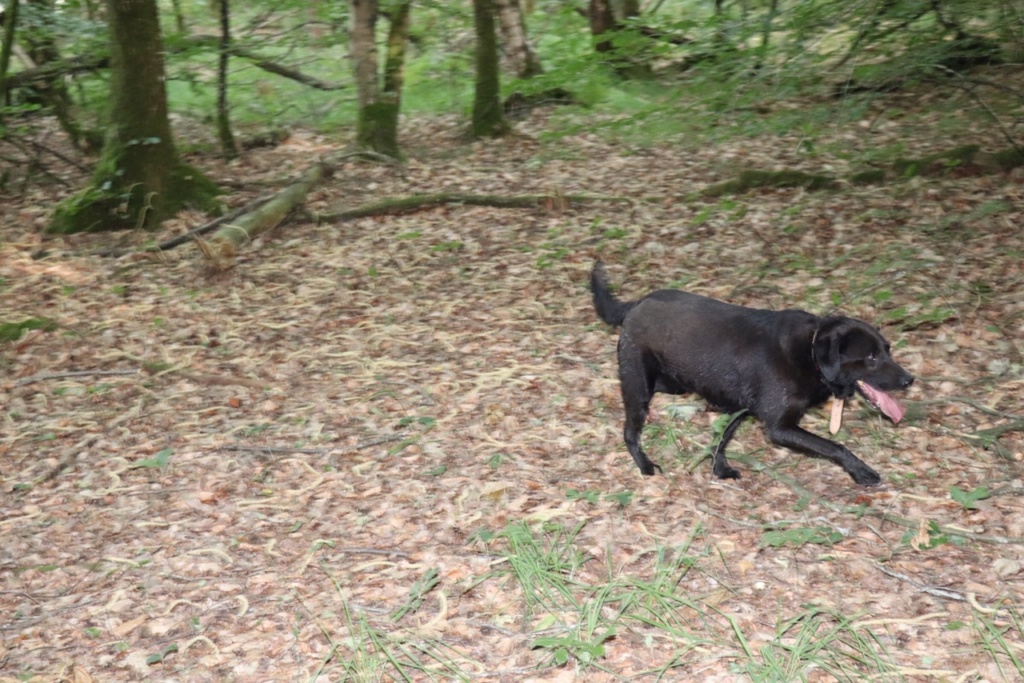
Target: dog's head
{"type": "Point", "coordinates": [854, 356]}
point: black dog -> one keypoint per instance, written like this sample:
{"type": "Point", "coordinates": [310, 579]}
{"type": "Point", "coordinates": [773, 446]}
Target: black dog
{"type": "Point", "coordinates": [775, 365]}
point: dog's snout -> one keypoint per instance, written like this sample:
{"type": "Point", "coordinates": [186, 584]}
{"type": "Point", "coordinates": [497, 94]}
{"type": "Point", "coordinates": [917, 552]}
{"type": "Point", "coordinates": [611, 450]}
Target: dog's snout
{"type": "Point", "coordinates": [907, 380]}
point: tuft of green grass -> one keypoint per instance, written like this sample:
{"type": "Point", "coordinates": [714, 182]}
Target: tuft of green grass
{"type": "Point", "coordinates": [368, 649]}
{"type": "Point", "coordinates": [992, 631]}
{"type": "Point", "coordinates": [818, 639]}
{"type": "Point", "coordinates": [543, 562]}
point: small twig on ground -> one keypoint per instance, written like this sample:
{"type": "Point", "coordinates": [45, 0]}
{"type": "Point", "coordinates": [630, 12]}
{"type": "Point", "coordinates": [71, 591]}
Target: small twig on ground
{"type": "Point", "coordinates": [980, 407]}
{"type": "Point", "coordinates": [885, 516]}
{"type": "Point", "coordinates": [277, 450]}
{"type": "Point", "coordinates": [364, 154]}
{"type": "Point", "coordinates": [372, 551]}
{"type": "Point", "coordinates": [970, 598]}
{"type": "Point", "coordinates": [988, 436]}
{"type": "Point", "coordinates": [72, 373]}
{"type": "Point", "coordinates": [284, 450]}
{"type": "Point", "coordinates": [930, 590]}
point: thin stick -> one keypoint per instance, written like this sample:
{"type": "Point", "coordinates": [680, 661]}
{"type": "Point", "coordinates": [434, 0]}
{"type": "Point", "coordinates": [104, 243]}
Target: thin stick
{"type": "Point", "coordinates": [72, 373]}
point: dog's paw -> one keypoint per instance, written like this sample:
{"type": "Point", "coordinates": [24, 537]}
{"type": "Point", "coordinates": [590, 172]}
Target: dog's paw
{"type": "Point", "coordinates": [865, 476]}
{"type": "Point", "coordinates": [649, 469]}
{"type": "Point", "coordinates": [727, 472]}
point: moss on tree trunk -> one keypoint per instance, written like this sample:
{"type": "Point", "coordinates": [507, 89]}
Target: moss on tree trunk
{"type": "Point", "coordinates": [488, 116]}
{"type": "Point", "coordinates": [139, 180]}
{"type": "Point", "coordinates": [379, 104]}
{"type": "Point", "coordinates": [377, 128]}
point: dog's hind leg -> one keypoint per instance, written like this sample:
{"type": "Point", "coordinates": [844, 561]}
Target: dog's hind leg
{"type": "Point", "coordinates": [637, 381]}
{"type": "Point", "coordinates": [720, 466]}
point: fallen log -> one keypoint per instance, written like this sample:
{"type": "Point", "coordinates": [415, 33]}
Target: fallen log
{"type": "Point", "coordinates": [224, 243]}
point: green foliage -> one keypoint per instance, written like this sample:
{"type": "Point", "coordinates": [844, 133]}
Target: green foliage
{"type": "Point", "coordinates": [968, 499]}
{"type": "Point", "coordinates": [158, 657]}
{"type": "Point", "coordinates": [10, 332]}
{"type": "Point", "coordinates": [158, 461]}
{"type": "Point", "coordinates": [588, 496]}
{"type": "Point", "coordinates": [932, 537]}
{"type": "Point", "coordinates": [730, 68]}
{"type": "Point", "coordinates": [564, 648]}
{"type": "Point", "coordinates": [623, 498]}
{"type": "Point", "coordinates": [798, 536]}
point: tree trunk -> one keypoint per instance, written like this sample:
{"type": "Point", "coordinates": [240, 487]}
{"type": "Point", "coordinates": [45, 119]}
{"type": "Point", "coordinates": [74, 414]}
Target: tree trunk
{"type": "Point", "coordinates": [517, 46]}
{"type": "Point", "coordinates": [10, 20]}
{"type": "Point", "coordinates": [602, 20]}
{"type": "Point", "coordinates": [227, 139]}
{"type": "Point", "coordinates": [390, 104]}
{"type": "Point", "coordinates": [139, 180]}
{"type": "Point", "coordinates": [488, 118]}
{"type": "Point", "coordinates": [379, 105]}
{"type": "Point", "coordinates": [364, 51]}
{"type": "Point", "coordinates": [766, 34]}
{"type": "Point", "coordinates": [628, 64]}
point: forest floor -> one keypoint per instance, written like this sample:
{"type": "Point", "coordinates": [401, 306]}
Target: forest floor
{"type": "Point", "coordinates": [390, 448]}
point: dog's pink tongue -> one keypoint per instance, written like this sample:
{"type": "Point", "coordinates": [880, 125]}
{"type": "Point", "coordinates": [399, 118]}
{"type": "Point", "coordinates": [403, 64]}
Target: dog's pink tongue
{"type": "Point", "coordinates": [886, 403]}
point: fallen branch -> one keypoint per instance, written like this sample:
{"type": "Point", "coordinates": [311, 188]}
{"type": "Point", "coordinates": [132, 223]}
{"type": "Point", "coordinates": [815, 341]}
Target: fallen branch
{"type": "Point", "coordinates": [966, 160]}
{"type": "Point", "coordinates": [752, 180]}
{"type": "Point", "coordinates": [401, 205]}
{"type": "Point", "coordinates": [224, 243]}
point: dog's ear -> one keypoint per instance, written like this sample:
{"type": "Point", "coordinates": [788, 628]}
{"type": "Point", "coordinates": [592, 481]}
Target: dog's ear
{"type": "Point", "coordinates": [826, 349]}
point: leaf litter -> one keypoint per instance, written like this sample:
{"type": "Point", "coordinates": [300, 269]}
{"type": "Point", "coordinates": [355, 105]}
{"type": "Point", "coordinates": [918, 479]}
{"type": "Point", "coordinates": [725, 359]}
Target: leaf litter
{"type": "Point", "coordinates": [390, 448]}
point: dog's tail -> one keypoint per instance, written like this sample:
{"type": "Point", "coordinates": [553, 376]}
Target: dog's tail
{"type": "Point", "coordinates": [608, 308]}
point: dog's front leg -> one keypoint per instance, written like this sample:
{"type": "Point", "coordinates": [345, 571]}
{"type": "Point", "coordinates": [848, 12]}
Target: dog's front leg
{"type": "Point", "coordinates": [719, 464]}
{"type": "Point", "coordinates": [800, 439]}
